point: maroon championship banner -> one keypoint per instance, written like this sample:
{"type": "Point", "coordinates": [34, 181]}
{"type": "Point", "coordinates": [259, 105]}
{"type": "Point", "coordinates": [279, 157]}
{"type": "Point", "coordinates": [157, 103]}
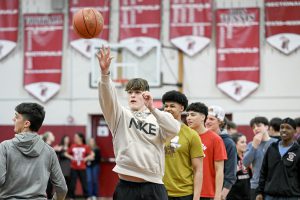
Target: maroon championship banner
{"type": "Point", "coordinates": [237, 38]}
{"type": "Point", "coordinates": [140, 24]}
{"type": "Point", "coordinates": [190, 25]}
{"type": "Point", "coordinates": [9, 22]}
{"type": "Point", "coordinates": [84, 46]}
{"type": "Point", "coordinates": [283, 24]}
{"type": "Point", "coordinates": [43, 40]}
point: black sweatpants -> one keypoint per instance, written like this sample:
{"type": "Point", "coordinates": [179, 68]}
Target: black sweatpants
{"type": "Point", "coordinates": [83, 181]}
{"type": "Point", "coordinates": [252, 194]}
{"type": "Point", "coordinates": [126, 190]}
{"type": "Point", "coordinates": [189, 197]}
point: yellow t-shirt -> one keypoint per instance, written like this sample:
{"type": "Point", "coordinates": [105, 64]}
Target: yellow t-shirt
{"type": "Point", "coordinates": [179, 152]}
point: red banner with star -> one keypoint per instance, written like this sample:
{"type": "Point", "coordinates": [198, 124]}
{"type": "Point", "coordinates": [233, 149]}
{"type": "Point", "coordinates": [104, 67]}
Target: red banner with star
{"type": "Point", "coordinates": [84, 45]}
{"type": "Point", "coordinates": [190, 25]}
{"type": "Point", "coordinates": [9, 22]}
{"type": "Point", "coordinates": [42, 56]}
{"type": "Point", "coordinates": [238, 57]}
{"type": "Point", "coordinates": [140, 25]}
{"type": "Point", "coordinates": [282, 24]}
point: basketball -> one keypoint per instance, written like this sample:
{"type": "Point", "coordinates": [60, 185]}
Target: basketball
{"type": "Point", "coordinates": [88, 23]}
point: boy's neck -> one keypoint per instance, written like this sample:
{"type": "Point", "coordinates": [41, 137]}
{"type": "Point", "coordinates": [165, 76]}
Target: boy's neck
{"type": "Point", "coordinates": [240, 154]}
{"type": "Point", "coordinates": [287, 143]}
{"type": "Point", "coordinates": [142, 109]}
{"type": "Point", "coordinates": [201, 129]}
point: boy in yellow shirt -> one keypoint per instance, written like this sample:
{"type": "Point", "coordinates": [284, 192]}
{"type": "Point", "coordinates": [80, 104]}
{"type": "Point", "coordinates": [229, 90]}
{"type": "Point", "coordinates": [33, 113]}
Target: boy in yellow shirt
{"type": "Point", "coordinates": [183, 154]}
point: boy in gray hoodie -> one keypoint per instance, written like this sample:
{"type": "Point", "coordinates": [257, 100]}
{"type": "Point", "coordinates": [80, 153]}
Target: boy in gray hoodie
{"type": "Point", "coordinates": [26, 161]}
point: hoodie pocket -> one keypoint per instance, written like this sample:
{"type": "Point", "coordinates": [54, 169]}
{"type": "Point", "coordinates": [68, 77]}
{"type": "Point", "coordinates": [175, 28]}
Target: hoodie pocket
{"type": "Point", "coordinates": [141, 157]}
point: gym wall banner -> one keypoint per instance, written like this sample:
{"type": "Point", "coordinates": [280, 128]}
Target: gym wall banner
{"type": "Point", "coordinates": [283, 24]}
{"type": "Point", "coordinates": [140, 24]}
{"type": "Point", "coordinates": [238, 54]}
{"type": "Point", "coordinates": [9, 22]}
{"type": "Point", "coordinates": [42, 56]}
{"type": "Point", "coordinates": [191, 25]}
{"type": "Point", "coordinates": [84, 46]}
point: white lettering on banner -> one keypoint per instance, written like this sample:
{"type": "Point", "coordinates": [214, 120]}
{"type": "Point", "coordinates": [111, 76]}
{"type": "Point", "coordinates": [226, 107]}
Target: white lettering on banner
{"type": "Point", "coordinates": [238, 50]}
{"type": "Point", "coordinates": [190, 24]}
{"type": "Point", "coordinates": [46, 28]}
{"type": "Point", "coordinates": [43, 20]}
{"type": "Point", "coordinates": [237, 16]}
{"type": "Point", "coordinates": [9, 12]}
{"type": "Point", "coordinates": [238, 24]}
{"type": "Point", "coordinates": [43, 53]}
{"type": "Point", "coordinates": [222, 37]}
{"type": "Point", "coordinates": [185, 13]}
{"type": "Point", "coordinates": [283, 23]}
{"type": "Point", "coordinates": [140, 25]}
{"type": "Point", "coordinates": [232, 69]}
{"type": "Point", "coordinates": [283, 3]}
{"type": "Point", "coordinates": [43, 71]}
{"type": "Point", "coordinates": [101, 9]}
{"type": "Point", "coordinates": [129, 15]}
{"type": "Point", "coordinates": [193, 6]}
{"type": "Point", "coordinates": [140, 7]}
{"type": "Point", "coordinates": [78, 154]}
{"type": "Point", "coordinates": [6, 29]}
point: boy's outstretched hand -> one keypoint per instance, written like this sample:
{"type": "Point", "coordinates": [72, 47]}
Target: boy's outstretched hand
{"type": "Point", "coordinates": [104, 59]}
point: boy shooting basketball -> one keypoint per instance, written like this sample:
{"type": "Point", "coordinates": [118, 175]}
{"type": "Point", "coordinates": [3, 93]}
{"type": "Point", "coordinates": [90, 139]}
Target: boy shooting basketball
{"type": "Point", "coordinates": [139, 134]}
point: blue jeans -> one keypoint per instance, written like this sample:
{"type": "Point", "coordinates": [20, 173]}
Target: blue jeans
{"type": "Point", "coordinates": [92, 179]}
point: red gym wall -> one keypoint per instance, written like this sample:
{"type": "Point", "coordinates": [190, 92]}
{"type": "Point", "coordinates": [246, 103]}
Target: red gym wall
{"type": "Point", "coordinates": [7, 132]}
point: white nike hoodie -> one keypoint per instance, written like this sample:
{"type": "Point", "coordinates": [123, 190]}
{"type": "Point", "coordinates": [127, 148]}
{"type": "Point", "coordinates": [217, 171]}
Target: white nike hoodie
{"type": "Point", "coordinates": [138, 137]}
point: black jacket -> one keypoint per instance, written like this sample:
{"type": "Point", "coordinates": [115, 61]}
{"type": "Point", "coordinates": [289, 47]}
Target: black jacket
{"type": "Point", "coordinates": [241, 189]}
{"type": "Point", "coordinates": [280, 177]}
{"type": "Point", "coordinates": [230, 163]}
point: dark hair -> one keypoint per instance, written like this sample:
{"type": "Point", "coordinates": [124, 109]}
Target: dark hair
{"type": "Point", "coordinates": [198, 107]}
{"type": "Point", "coordinates": [275, 123]}
{"type": "Point", "coordinates": [230, 124]}
{"type": "Point", "coordinates": [223, 124]}
{"type": "Point", "coordinates": [297, 120]}
{"type": "Point", "coordinates": [137, 84]}
{"type": "Point", "coordinates": [62, 140]}
{"type": "Point", "coordinates": [289, 121]}
{"type": "Point", "coordinates": [258, 120]}
{"type": "Point", "coordinates": [236, 136]}
{"type": "Point", "coordinates": [175, 96]}
{"type": "Point", "coordinates": [32, 112]}
{"type": "Point", "coordinates": [81, 136]}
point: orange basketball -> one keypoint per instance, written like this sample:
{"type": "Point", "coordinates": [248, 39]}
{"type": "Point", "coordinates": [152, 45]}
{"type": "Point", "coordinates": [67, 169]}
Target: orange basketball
{"type": "Point", "coordinates": [88, 23]}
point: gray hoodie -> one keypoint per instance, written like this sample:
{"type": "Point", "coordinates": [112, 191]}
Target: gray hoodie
{"type": "Point", "coordinates": [26, 163]}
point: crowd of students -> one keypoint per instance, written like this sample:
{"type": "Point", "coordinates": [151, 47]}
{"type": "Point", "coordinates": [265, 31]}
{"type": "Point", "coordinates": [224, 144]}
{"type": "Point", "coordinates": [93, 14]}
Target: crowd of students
{"type": "Point", "coordinates": [221, 168]}
{"type": "Point", "coordinates": [77, 160]}
{"type": "Point", "coordinates": [158, 156]}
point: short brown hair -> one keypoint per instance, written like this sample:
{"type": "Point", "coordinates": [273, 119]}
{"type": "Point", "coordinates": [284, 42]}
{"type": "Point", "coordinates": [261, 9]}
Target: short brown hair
{"type": "Point", "coordinates": [137, 84]}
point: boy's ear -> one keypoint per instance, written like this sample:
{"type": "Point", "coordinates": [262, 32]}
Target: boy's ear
{"type": "Point", "coordinates": [182, 108]}
{"type": "Point", "coordinates": [27, 124]}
